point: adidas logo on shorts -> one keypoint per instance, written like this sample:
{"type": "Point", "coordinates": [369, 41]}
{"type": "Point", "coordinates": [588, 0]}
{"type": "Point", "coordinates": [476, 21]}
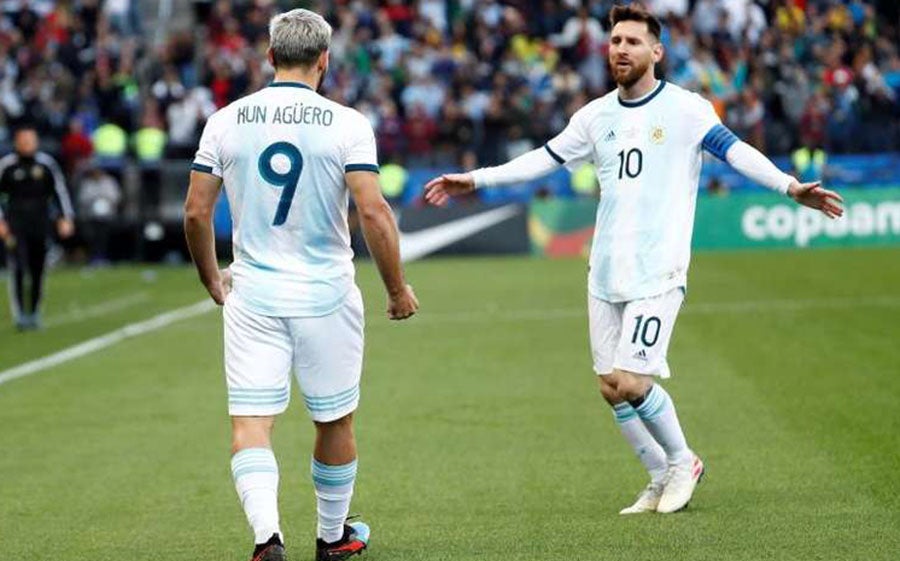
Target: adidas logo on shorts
{"type": "Point", "coordinates": [641, 355]}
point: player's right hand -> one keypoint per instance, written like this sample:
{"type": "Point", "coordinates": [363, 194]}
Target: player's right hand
{"type": "Point", "coordinates": [439, 190]}
{"type": "Point", "coordinates": [402, 305]}
{"type": "Point", "coordinates": [220, 288]}
{"type": "Point", "coordinates": [4, 230]}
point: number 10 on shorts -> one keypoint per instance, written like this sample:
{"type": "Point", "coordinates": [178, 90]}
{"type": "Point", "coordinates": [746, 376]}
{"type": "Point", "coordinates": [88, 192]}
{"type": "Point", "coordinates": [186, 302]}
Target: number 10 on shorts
{"type": "Point", "coordinates": [646, 330]}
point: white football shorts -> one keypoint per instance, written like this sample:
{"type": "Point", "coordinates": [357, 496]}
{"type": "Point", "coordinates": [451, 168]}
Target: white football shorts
{"type": "Point", "coordinates": [325, 353]}
{"type": "Point", "coordinates": [633, 336]}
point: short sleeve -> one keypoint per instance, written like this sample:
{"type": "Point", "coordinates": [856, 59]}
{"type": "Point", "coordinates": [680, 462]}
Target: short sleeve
{"type": "Point", "coordinates": [702, 119]}
{"type": "Point", "coordinates": [360, 152]}
{"type": "Point", "coordinates": [707, 130]}
{"type": "Point", "coordinates": [207, 159]}
{"type": "Point", "coordinates": [572, 146]}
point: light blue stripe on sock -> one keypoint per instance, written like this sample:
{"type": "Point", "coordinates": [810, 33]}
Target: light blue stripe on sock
{"type": "Point", "coordinates": [334, 482]}
{"type": "Point", "coordinates": [656, 413]}
{"type": "Point", "coordinates": [333, 471]}
{"type": "Point", "coordinates": [333, 476]}
{"type": "Point", "coordinates": [624, 412]}
{"type": "Point", "coordinates": [242, 472]}
{"type": "Point", "coordinates": [651, 402]}
{"type": "Point", "coordinates": [247, 452]}
{"type": "Point", "coordinates": [253, 460]}
{"type": "Point", "coordinates": [653, 405]}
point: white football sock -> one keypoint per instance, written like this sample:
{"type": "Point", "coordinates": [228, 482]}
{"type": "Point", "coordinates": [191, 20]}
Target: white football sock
{"type": "Point", "coordinates": [658, 414]}
{"type": "Point", "coordinates": [648, 451]}
{"type": "Point", "coordinates": [255, 474]}
{"type": "Point", "coordinates": [334, 489]}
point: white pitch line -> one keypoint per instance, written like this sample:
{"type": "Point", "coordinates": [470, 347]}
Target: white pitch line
{"type": "Point", "coordinates": [108, 340]}
{"type": "Point", "coordinates": [78, 315]}
{"type": "Point", "coordinates": [167, 318]}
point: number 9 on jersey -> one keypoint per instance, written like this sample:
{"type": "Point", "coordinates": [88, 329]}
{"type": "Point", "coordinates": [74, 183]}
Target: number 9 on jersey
{"type": "Point", "coordinates": [287, 180]}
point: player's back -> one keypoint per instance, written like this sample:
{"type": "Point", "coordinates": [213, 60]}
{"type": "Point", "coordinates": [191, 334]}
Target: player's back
{"type": "Point", "coordinates": [282, 153]}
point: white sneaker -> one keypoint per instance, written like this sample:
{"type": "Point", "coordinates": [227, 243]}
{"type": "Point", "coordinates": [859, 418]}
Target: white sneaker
{"type": "Point", "coordinates": [680, 482]}
{"type": "Point", "coordinates": [646, 501]}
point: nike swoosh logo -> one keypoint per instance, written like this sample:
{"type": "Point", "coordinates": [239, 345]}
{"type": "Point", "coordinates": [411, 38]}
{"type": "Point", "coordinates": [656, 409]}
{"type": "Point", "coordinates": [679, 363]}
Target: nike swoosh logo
{"type": "Point", "coordinates": [418, 244]}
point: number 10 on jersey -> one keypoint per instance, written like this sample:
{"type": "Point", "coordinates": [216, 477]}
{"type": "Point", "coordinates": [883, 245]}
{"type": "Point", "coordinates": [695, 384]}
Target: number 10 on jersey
{"type": "Point", "coordinates": [630, 163]}
{"type": "Point", "coordinates": [287, 181]}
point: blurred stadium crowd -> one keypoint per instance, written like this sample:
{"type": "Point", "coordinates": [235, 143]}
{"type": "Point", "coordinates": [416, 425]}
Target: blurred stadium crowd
{"type": "Point", "coordinates": [456, 82]}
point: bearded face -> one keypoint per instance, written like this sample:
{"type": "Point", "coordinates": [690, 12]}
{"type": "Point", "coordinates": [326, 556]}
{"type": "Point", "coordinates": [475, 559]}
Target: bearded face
{"type": "Point", "coordinates": [627, 71]}
{"type": "Point", "coordinates": [632, 52]}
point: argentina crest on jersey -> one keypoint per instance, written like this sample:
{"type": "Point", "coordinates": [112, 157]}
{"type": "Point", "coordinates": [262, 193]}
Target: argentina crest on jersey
{"type": "Point", "coordinates": [658, 133]}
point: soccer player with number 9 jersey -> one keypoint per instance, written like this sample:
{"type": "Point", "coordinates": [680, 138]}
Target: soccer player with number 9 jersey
{"type": "Point", "coordinates": [288, 159]}
{"type": "Point", "coordinates": [646, 140]}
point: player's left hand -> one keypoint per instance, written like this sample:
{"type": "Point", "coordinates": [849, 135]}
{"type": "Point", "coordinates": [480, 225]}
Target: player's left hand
{"type": "Point", "coordinates": [65, 228]}
{"type": "Point", "coordinates": [814, 196]}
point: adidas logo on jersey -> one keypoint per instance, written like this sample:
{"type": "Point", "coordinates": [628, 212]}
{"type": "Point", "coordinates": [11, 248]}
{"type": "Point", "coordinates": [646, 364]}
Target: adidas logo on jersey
{"type": "Point", "coordinates": [610, 136]}
{"type": "Point", "coordinates": [641, 355]}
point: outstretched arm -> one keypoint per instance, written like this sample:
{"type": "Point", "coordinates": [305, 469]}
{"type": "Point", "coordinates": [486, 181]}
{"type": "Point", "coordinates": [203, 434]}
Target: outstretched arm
{"type": "Point", "coordinates": [751, 163]}
{"type": "Point", "coordinates": [532, 165]}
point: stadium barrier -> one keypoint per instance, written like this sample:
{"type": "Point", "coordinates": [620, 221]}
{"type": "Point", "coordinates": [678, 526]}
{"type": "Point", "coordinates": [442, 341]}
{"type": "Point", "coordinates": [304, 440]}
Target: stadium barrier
{"type": "Point", "coordinates": [563, 227]}
{"type": "Point", "coordinates": [549, 219]}
{"type": "Point", "coordinates": [473, 228]}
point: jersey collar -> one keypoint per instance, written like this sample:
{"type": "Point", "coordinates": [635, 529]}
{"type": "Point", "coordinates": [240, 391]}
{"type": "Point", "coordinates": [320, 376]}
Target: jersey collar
{"type": "Point", "coordinates": [644, 100]}
{"type": "Point", "coordinates": [300, 85]}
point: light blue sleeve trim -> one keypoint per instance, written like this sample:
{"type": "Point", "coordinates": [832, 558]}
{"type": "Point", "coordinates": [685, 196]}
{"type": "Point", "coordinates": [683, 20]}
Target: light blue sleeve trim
{"type": "Point", "coordinates": [718, 140]}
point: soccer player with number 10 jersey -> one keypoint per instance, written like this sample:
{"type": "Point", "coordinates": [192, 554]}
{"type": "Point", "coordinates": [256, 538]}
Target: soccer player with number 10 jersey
{"type": "Point", "coordinates": [646, 140]}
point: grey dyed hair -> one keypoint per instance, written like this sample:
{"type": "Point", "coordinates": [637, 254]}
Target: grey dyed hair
{"type": "Point", "coordinates": [298, 37]}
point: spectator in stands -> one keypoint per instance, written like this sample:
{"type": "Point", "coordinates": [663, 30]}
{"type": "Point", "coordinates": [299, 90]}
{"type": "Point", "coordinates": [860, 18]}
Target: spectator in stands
{"type": "Point", "coordinates": [76, 147]}
{"type": "Point", "coordinates": [809, 161]}
{"type": "Point", "coordinates": [420, 131]}
{"type": "Point", "coordinates": [814, 121]}
{"type": "Point", "coordinates": [110, 141]}
{"type": "Point", "coordinates": [90, 59]}
{"type": "Point", "coordinates": [99, 196]}
{"type": "Point", "coordinates": [745, 118]}
{"type": "Point", "coordinates": [149, 141]}
{"type": "Point", "coordinates": [184, 116]}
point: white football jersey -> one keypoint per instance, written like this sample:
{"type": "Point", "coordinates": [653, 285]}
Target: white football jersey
{"type": "Point", "coordinates": [648, 154]}
{"type": "Point", "coordinates": [282, 153]}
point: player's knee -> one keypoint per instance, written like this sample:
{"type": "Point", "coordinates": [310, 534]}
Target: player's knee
{"type": "Point", "coordinates": [251, 432]}
{"type": "Point", "coordinates": [631, 387]}
{"type": "Point", "coordinates": [608, 391]}
{"type": "Point", "coordinates": [345, 423]}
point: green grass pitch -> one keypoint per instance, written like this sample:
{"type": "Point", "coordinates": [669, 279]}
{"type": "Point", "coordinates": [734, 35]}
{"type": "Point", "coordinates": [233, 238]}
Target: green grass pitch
{"type": "Point", "coordinates": [482, 434]}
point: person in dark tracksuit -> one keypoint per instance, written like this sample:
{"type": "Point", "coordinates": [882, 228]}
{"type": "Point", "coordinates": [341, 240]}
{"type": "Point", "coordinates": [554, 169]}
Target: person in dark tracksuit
{"type": "Point", "coordinates": [32, 196]}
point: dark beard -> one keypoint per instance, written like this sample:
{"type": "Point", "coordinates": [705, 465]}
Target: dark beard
{"type": "Point", "coordinates": [631, 77]}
